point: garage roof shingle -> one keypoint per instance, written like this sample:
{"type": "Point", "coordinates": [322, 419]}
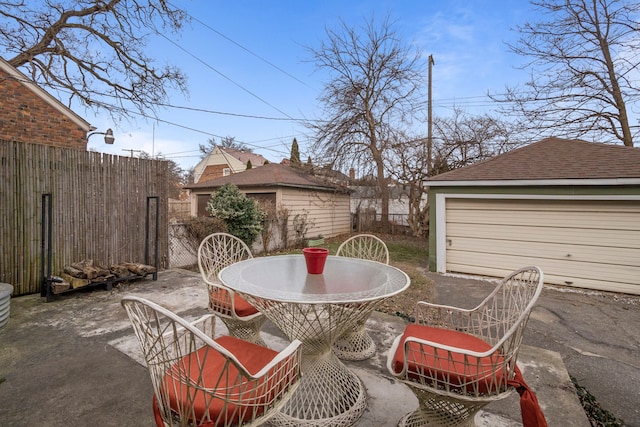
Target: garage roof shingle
{"type": "Point", "coordinates": [553, 159]}
{"type": "Point", "coordinates": [269, 175]}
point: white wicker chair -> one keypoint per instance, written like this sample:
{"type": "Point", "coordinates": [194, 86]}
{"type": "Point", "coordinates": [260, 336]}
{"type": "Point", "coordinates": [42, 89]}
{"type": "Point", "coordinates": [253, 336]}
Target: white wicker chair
{"type": "Point", "coordinates": [457, 360]}
{"type": "Point", "coordinates": [357, 344]}
{"type": "Point", "coordinates": [199, 381]}
{"type": "Point", "coordinates": [216, 251]}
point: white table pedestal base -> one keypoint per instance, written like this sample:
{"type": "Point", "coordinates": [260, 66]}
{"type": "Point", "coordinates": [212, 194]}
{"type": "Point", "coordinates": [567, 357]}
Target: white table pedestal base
{"type": "Point", "coordinates": [329, 395]}
{"type": "Point", "coordinates": [316, 309]}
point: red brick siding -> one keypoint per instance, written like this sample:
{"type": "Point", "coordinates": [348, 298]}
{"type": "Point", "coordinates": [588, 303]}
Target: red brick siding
{"type": "Point", "coordinates": [212, 172]}
{"type": "Point", "coordinates": [26, 117]}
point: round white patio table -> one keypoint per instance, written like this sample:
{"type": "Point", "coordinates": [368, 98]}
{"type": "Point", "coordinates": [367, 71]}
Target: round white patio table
{"type": "Point", "coordinates": [317, 309]}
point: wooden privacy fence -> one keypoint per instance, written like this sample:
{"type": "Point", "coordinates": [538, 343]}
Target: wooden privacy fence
{"type": "Point", "coordinates": [179, 210]}
{"type": "Point", "coordinates": [99, 209]}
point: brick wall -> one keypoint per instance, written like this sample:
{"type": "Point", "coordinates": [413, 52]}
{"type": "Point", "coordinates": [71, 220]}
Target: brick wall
{"type": "Point", "coordinates": [26, 117]}
{"type": "Point", "coordinates": [212, 172]}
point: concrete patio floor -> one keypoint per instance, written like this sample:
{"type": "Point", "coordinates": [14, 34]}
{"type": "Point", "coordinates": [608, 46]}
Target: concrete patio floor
{"type": "Point", "coordinates": [76, 362]}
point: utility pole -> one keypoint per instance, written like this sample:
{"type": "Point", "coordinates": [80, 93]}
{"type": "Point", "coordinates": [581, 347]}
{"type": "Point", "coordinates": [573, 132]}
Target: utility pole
{"type": "Point", "coordinates": [429, 119]}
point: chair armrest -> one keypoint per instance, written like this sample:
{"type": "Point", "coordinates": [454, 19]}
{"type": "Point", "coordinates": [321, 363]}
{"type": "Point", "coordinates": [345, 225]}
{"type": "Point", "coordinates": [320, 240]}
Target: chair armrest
{"type": "Point", "coordinates": [221, 299]}
{"type": "Point", "coordinates": [291, 354]}
{"type": "Point", "coordinates": [205, 324]}
{"type": "Point", "coordinates": [473, 371]}
{"type": "Point", "coordinates": [439, 346]}
{"type": "Point", "coordinates": [211, 285]}
{"type": "Point", "coordinates": [390, 355]}
{"type": "Point", "coordinates": [424, 305]}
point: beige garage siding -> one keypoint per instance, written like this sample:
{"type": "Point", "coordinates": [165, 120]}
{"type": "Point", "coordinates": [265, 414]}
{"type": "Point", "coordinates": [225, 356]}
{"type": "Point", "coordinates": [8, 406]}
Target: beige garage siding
{"type": "Point", "coordinates": [329, 212]}
{"type": "Point", "coordinates": [584, 243]}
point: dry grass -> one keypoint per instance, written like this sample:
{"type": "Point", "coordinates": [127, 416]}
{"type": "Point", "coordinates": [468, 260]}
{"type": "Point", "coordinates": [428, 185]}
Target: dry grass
{"type": "Point", "coordinates": [409, 254]}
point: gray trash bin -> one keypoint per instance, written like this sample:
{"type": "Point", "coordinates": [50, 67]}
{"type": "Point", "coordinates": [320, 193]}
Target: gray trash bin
{"type": "Point", "coordinates": [5, 299]}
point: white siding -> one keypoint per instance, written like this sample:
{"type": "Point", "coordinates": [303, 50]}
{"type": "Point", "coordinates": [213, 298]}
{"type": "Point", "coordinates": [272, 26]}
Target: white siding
{"type": "Point", "coordinates": [585, 243]}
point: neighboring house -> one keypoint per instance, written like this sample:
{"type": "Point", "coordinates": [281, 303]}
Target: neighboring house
{"type": "Point", "coordinates": [29, 114]}
{"type": "Point", "coordinates": [569, 206]}
{"type": "Point", "coordinates": [326, 205]}
{"type": "Point", "coordinates": [224, 162]}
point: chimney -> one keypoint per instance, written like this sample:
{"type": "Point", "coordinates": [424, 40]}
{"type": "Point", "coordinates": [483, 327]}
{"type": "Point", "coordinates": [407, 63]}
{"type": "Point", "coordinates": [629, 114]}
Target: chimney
{"type": "Point", "coordinates": [352, 174]}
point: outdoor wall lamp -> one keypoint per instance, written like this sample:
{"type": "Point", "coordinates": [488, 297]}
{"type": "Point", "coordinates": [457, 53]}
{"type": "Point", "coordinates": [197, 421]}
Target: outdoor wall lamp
{"type": "Point", "coordinates": [108, 136]}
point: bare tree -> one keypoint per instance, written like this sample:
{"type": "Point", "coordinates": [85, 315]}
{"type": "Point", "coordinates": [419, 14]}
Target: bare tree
{"type": "Point", "coordinates": [459, 140]}
{"type": "Point", "coordinates": [270, 224]}
{"type": "Point", "coordinates": [583, 64]}
{"type": "Point", "coordinates": [373, 89]}
{"type": "Point", "coordinates": [93, 50]}
{"type": "Point", "coordinates": [412, 169]}
{"type": "Point", "coordinates": [189, 176]}
{"type": "Point", "coordinates": [464, 139]}
{"type": "Point", "coordinates": [225, 142]}
{"type": "Point", "coordinates": [282, 222]}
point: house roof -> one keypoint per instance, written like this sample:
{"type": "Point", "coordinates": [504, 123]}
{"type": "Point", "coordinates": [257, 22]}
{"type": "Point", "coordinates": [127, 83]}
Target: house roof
{"type": "Point", "coordinates": [44, 95]}
{"type": "Point", "coordinates": [244, 156]}
{"type": "Point", "coordinates": [270, 175]}
{"type": "Point", "coordinates": [235, 159]}
{"type": "Point", "coordinates": [549, 161]}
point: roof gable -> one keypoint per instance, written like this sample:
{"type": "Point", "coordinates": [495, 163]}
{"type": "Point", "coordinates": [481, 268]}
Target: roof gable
{"type": "Point", "coordinates": [217, 157]}
{"type": "Point", "coordinates": [43, 94]}
{"type": "Point", "coordinates": [553, 159]}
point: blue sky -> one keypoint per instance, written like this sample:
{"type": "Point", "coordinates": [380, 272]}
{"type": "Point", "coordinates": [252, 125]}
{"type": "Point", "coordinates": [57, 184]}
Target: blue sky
{"type": "Point", "coordinates": [251, 58]}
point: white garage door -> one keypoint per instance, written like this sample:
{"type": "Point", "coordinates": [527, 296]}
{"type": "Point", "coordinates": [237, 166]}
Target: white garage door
{"type": "Point", "coordinates": [585, 243]}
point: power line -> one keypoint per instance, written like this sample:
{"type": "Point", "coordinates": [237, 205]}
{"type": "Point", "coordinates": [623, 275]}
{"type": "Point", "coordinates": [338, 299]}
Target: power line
{"type": "Point", "coordinates": [181, 107]}
{"type": "Point", "coordinates": [223, 75]}
{"type": "Point", "coordinates": [251, 144]}
{"type": "Point", "coordinates": [192, 129]}
{"type": "Point", "coordinates": [250, 52]}
{"type": "Point", "coordinates": [248, 116]}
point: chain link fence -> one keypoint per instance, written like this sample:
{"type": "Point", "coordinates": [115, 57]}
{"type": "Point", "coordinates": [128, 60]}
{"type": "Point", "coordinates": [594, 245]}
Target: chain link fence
{"type": "Point", "coordinates": [182, 254]}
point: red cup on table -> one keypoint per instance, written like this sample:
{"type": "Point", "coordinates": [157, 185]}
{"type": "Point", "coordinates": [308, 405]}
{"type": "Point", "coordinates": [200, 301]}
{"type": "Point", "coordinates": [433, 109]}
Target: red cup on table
{"type": "Point", "coordinates": [315, 259]}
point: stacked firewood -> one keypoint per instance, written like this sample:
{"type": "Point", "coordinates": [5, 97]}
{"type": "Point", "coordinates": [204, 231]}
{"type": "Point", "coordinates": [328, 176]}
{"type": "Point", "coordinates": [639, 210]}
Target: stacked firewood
{"type": "Point", "coordinates": [85, 272]}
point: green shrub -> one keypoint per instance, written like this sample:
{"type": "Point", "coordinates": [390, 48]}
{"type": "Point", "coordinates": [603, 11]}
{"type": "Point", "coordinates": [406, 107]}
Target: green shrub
{"type": "Point", "coordinates": [242, 215]}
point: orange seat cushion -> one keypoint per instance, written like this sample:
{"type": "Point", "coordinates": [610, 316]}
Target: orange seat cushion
{"type": "Point", "coordinates": [207, 368]}
{"type": "Point", "coordinates": [464, 373]}
{"type": "Point", "coordinates": [220, 298]}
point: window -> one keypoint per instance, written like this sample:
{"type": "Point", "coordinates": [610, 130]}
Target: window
{"type": "Point", "coordinates": [226, 172]}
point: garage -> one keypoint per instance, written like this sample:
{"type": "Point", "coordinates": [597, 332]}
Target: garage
{"type": "Point", "coordinates": [591, 244]}
{"type": "Point", "coordinates": [576, 214]}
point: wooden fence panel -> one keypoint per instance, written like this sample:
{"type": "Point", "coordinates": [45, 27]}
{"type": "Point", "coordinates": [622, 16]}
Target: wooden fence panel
{"type": "Point", "coordinates": [179, 210]}
{"type": "Point", "coordinates": [99, 209]}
